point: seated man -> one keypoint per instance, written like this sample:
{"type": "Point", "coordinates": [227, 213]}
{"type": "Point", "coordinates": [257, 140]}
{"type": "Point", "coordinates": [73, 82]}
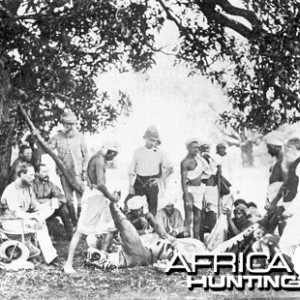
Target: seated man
{"type": "Point", "coordinates": [169, 219]}
{"type": "Point", "coordinates": [133, 252]}
{"type": "Point", "coordinates": [51, 199]}
{"type": "Point", "coordinates": [140, 220]}
{"type": "Point", "coordinates": [239, 222]}
{"type": "Point", "coordinates": [21, 211]}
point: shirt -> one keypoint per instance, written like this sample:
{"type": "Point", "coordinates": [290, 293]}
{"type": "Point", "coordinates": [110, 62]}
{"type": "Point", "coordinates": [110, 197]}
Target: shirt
{"type": "Point", "coordinates": [17, 198]}
{"type": "Point", "coordinates": [46, 189]}
{"type": "Point", "coordinates": [72, 151]}
{"type": "Point", "coordinates": [148, 162]}
{"type": "Point", "coordinates": [172, 222]}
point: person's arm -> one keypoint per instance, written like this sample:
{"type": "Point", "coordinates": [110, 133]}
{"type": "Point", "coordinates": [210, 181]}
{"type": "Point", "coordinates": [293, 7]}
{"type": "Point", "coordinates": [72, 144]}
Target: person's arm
{"type": "Point", "coordinates": [160, 224]}
{"type": "Point", "coordinates": [100, 171]}
{"type": "Point", "coordinates": [294, 208]}
{"type": "Point", "coordinates": [231, 224]}
{"type": "Point", "coordinates": [57, 193]}
{"type": "Point", "coordinates": [179, 222]}
{"type": "Point", "coordinates": [132, 173]}
{"type": "Point", "coordinates": [184, 172]}
{"type": "Point", "coordinates": [85, 159]}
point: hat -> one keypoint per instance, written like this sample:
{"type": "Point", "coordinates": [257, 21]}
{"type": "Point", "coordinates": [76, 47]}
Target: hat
{"type": "Point", "coordinates": [203, 142]}
{"type": "Point", "coordinates": [14, 250]}
{"type": "Point", "coordinates": [192, 140]}
{"type": "Point", "coordinates": [151, 132]}
{"type": "Point", "coordinates": [273, 140]}
{"type": "Point", "coordinates": [111, 145]}
{"type": "Point", "coordinates": [222, 144]}
{"type": "Point", "coordinates": [68, 117]}
{"type": "Point", "coordinates": [243, 208]}
{"type": "Point", "coordinates": [136, 202]}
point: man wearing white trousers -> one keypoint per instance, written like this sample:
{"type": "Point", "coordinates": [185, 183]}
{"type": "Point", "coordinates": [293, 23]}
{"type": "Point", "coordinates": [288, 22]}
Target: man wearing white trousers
{"type": "Point", "coordinates": [22, 212]}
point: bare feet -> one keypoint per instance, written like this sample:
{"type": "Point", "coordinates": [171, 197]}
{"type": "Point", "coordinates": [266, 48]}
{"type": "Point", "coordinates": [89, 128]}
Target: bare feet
{"type": "Point", "coordinates": [69, 270]}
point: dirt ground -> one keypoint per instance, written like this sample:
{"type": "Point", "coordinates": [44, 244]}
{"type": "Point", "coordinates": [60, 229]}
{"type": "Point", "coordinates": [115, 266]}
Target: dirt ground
{"type": "Point", "coordinates": [49, 282]}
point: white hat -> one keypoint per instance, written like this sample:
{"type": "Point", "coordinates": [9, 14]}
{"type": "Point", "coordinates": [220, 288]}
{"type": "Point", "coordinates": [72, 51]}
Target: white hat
{"type": "Point", "coordinates": [273, 140]}
{"type": "Point", "coordinates": [68, 117]}
{"type": "Point", "coordinates": [136, 202]}
{"type": "Point", "coordinates": [192, 140]}
{"type": "Point", "coordinates": [14, 250]}
{"type": "Point", "coordinates": [110, 145]}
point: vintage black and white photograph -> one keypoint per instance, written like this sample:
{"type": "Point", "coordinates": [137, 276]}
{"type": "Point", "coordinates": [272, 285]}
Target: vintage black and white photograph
{"type": "Point", "coordinates": [149, 149]}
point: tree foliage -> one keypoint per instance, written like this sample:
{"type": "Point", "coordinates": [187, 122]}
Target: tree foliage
{"type": "Point", "coordinates": [52, 52]}
{"type": "Point", "coordinates": [252, 50]}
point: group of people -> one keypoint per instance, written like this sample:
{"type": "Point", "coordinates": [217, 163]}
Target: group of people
{"type": "Point", "coordinates": [31, 199]}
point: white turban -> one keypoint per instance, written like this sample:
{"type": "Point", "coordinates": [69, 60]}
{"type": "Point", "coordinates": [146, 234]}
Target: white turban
{"type": "Point", "coordinates": [273, 140]}
{"type": "Point", "coordinates": [136, 202]}
{"type": "Point", "coordinates": [192, 140]}
{"type": "Point", "coordinates": [110, 145]}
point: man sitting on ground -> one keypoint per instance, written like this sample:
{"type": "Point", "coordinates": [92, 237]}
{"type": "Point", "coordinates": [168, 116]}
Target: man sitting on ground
{"type": "Point", "coordinates": [170, 220]}
{"type": "Point", "coordinates": [140, 220]}
{"type": "Point", "coordinates": [51, 199]}
{"type": "Point", "coordinates": [22, 210]}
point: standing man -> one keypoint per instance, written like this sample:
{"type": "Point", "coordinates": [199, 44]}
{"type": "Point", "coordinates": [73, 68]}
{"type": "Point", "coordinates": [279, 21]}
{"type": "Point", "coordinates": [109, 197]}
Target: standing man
{"type": "Point", "coordinates": [25, 156]}
{"type": "Point", "coordinates": [72, 150]}
{"type": "Point", "coordinates": [148, 169]}
{"type": "Point", "coordinates": [276, 178]}
{"type": "Point", "coordinates": [95, 203]}
{"type": "Point", "coordinates": [290, 238]}
{"type": "Point", "coordinates": [193, 167]}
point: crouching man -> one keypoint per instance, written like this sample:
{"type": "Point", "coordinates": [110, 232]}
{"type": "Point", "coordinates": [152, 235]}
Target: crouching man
{"type": "Point", "coordinates": [21, 211]}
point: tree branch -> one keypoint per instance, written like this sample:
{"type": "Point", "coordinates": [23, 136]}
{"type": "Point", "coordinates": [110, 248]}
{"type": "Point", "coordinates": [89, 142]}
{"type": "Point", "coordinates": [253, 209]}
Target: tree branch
{"type": "Point", "coordinates": [170, 15]}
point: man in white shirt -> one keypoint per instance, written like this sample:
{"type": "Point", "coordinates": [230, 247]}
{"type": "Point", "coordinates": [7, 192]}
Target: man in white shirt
{"type": "Point", "coordinates": [148, 169]}
{"type": "Point", "coordinates": [290, 238]}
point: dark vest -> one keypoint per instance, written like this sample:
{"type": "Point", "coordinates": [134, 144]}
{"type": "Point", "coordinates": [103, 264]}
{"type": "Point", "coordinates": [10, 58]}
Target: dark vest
{"type": "Point", "coordinates": [276, 172]}
{"type": "Point", "coordinates": [290, 186]}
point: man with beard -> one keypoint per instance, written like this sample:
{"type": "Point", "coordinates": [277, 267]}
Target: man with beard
{"type": "Point", "coordinates": [22, 212]}
{"type": "Point", "coordinates": [51, 199]}
{"type": "Point", "coordinates": [72, 150]}
{"type": "Point", "coordinates": [290, 199]}
{"type": "Point", "coordinates": [95, 211]}
{"type": "Point", "coordinates": [25, 156]}
{"type": "Point", "coordinates": [193, 167]}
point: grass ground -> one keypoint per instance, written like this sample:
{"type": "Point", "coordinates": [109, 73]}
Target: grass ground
{"type": "Point", "coordinates": [49, 282]}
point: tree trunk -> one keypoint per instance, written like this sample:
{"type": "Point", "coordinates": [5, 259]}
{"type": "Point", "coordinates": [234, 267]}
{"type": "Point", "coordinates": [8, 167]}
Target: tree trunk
{"type": "Point", "coordinates": [7, 125]}
{"type": "Point", "coordinates": [247, 154]}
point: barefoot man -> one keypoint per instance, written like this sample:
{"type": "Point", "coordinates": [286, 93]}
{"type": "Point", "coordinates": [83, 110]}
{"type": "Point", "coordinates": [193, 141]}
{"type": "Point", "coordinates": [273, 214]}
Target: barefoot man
{"type": "Point", "coordinates": [95, 202]}
{"type": "Point", "coordinates": [192, 169]}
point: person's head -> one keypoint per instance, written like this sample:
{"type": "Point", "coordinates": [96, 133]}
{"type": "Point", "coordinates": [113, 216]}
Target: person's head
{"type": "Point", "coordinates": [68, 120]}
{"type": "Point", "coordinates": [221, 149]}
{"type": "Point", "coordinates": [136, 206]}
{"type": "Point", "coordinates": [192, 146]}
{"type": "Point", "coordinates": [151, 137]}
{"type": "Point", "coordinates": [25, 153]}
{"type": "Point", "coordinates": [274, 145]}
{"type": "Point", "coordinates": [241, 212]}
{"type": "Point", "coordinates": [292, 149]}
{"type": "Point", "coordinates": [26, 174]}
{"type": "Point", "coordinates": [204, 148]}
{"type": "Point", "coordinates": [169, 209]}
{"type": "Point", "coordinates": [111, 150]}
{"type": "Point", "coordinates": [42, 172]}
{"type": "Point", "coordinates": [239, 201]}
